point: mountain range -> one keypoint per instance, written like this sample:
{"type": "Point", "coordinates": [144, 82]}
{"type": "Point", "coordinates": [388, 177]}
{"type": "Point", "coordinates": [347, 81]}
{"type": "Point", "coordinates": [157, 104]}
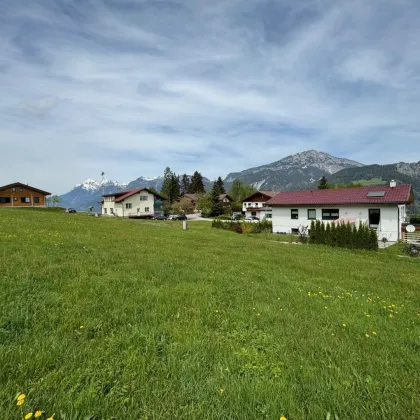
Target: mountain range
{"type": "Point", "coordinates": [300, 171]}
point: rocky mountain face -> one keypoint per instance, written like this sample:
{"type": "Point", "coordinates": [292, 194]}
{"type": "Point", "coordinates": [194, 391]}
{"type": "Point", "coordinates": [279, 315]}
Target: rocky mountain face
{"type": "Point", "coordinates": [294, 172]}
{"type": "Point", "coordinates": [402, 173]}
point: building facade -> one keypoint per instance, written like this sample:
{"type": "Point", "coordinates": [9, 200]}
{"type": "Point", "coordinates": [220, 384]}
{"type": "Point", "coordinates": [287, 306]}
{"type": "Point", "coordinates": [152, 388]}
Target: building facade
{"type": "Point", "coordinates": [382, 208]}
{"type": "Point", "coordinates": [256, 205]}
{"type": "Point", "coordinates": [22, 195]}
{"type": "Point", "coordinates": [137, 203]}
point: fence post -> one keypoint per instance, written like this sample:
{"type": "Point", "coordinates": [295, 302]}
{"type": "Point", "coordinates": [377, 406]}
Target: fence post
{"type": "Point", "coordinates": [185, 224]}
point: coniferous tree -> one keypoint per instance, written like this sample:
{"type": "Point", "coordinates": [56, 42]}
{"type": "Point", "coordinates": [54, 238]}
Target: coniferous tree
{"type": "Point", "coordinates": [184, 184]}
{"type": "Point", "coordinates": [170, 186]}
{"type": "Point", "coordinates": [216, 204]}
{"type": "Point", "coordinates": [312, 233]}
{"type": "Point", "coordinates": [322, 234]}
{"type": "Point", "coordinates": [328, 239]}
{"type": "Point", "coordinates": [333, 234]}
{"type": "Point", "coordinates": [354, 236]}
{"type": "Point", "coordinates": [196, 186]}
{"type": "Point", "coordinates": [220, 185]}
{"type": "Point", "coordinates": [323, 183]}
{"type": "Point", "coordinates": [373, 240]}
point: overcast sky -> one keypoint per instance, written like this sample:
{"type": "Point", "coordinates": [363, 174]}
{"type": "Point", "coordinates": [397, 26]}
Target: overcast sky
{"type": "Point", "coordinates": [130, 86]}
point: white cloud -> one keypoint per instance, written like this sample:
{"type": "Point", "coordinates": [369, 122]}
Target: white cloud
{"type": "Point", "coordinates": [131, 87]}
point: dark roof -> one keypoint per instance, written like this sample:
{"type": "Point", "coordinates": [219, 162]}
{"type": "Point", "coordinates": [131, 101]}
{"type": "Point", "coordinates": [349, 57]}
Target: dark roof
{"type": "Point", "coordinates": [19, 184]}
{"type": "Point", "coordinates": [122, 195]}
{"type": "Point", "coordinates": [190, 196]}
{"type": "Point", "coordinates": [401, 194]}
{"type": "Point", "coordinates": [268, 194]}
{"type": "Point", "coordinates": [222, 196]}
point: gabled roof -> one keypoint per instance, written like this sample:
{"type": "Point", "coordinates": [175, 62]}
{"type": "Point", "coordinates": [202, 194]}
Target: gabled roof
{"type": "Point", "coordinates": [401, 194]}
{"type": "Point", "coordinates": [266, 193]}
{"type": "Point", "coordinates": [222, 196]}
{"type": "Point", "coordinates": [122, 195]}
{"type": "Point", "coordinates": [190, 196]}
{"type": "Point", "coordinates": [28, 187]}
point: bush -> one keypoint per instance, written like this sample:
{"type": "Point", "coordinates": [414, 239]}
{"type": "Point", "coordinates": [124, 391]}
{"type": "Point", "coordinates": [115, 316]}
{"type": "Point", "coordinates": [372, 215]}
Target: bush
{"type": "Point", "coordinates": [415, 219]}
{"type": "Point", "coordinates": [260, 227]}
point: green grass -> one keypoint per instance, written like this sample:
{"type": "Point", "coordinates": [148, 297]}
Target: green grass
{"type": "Point", "coordinates": [368, 182]}
{"type": "Point", "coordinates": [132, 319]}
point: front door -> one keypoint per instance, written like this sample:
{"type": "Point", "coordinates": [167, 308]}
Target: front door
{"type": "Point", "coordinates": [374, 217]}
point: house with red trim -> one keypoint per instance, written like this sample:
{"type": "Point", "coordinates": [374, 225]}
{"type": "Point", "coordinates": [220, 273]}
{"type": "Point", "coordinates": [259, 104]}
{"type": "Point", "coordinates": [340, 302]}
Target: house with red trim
{"type": "Point", "coordinates": [382, 208]}
{"type": "Point", "coordinates": [256, 204]}
{"type": "Point", "coordinates": [139, 203]}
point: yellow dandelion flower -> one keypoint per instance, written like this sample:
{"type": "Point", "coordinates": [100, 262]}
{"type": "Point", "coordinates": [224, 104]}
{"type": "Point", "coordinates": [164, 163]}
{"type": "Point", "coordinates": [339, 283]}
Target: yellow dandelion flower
{"type": "Point", "coordinates": [82, 326]}
{"type": "Point", "coordinates": [38, 413]}
{"type": "Point", "coordinates": [283, 418]}
{"type": "Point", "coordinates": [20, 402]}
{"type": "Point", "coordinates": [367, 335]}
{"type": "Point", "coordinates": [21, 397]}
{"type": "Point", "coordinates": [50, 418]}
{"type": "Point", "coordinates": [222, 390]}
{"type": "Point", "coordinates": [29, 416]}
{"type": "Point", "coordinates": [374, 332]}
{"type": "Point", "coordinates": [344, 325]}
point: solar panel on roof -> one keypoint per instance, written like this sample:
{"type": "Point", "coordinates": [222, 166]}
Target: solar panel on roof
{"type": "Point", "coordinates": [376, 193]}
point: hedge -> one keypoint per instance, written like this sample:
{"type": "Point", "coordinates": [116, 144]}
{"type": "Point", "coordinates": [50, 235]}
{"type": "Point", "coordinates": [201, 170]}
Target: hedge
{"type": "Point", "coordinates": [343, 235]}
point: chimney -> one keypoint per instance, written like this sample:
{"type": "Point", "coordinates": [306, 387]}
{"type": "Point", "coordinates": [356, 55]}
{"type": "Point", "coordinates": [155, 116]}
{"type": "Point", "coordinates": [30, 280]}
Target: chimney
{"type": "Point", "coordinates": [392, 184]}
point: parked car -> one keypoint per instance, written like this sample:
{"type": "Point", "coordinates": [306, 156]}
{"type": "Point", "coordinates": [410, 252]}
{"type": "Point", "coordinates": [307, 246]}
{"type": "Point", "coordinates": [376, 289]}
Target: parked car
{"type": "Point", "coordinates": [252, 219]}
{"type": "Point", "coordinates": [172, 217]}
{"type": "Point", "coordinates": [237, 216]}
{"type": "Point", "coordinates": [70, 210]}
{"type": "Point", "coordinates": [160, 217]}
{"type": "Point", "coordinates": [182, 217]}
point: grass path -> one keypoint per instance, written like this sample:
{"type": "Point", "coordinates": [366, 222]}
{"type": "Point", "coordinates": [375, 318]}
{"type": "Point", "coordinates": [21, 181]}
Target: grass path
{"type": "Point", "coordinates": [131, 319]}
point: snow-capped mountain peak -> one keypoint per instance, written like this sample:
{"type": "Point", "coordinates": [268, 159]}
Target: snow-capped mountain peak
{"type": "Point", "coordinates": [93, 185]}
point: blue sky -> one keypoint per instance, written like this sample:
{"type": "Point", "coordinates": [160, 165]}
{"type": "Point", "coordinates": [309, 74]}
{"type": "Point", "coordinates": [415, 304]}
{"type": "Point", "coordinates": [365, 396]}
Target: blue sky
{"type": "Point", "coordinates": [130, 86]}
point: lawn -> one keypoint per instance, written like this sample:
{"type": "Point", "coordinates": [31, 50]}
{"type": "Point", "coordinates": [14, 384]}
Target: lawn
{"type": "Point", "coordinates": [129, 319]}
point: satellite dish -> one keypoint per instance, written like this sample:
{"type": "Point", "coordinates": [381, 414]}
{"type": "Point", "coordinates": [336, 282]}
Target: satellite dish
{"type": "Point", "coordinates": [410, 228]}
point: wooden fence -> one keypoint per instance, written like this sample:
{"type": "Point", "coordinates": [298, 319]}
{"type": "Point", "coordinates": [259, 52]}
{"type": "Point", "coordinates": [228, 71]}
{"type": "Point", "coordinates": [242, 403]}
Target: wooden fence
{"type": "Point", "coordinates": [410, 238]}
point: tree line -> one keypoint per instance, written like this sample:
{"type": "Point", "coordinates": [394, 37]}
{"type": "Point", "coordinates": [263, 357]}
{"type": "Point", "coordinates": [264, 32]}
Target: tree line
{"type": "Point", "coordinates": [175, 187]}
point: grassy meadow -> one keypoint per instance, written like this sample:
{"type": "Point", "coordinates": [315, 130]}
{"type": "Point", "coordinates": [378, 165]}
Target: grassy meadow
{"type": "Point", "coordinates": [129, 319]}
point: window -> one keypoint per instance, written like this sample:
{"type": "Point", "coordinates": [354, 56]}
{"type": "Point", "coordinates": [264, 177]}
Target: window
{"type": "Point", "coordinates": [4, 200]}
{"type": "Point", "coordinates": [269, 216]}
{"type": "Point", "coordinates": [330, 214]}
{"type": "Point", "coordinates": [14, 189]}
{"type": "Point", "coordinates": [144, 198]}
{"type": "Point", "coordinates": [146, 209]}
{"type": "Point", "coordinates": [311, 214]}
{"type": "Point", "coordinates": [253, 213]}
{"type": "Point", "coordinates": [36, 200]}
{"type": "Point", "coordinates": [21, 189]}
{"type": "Point", "coordinates": [294, 214]}
{"type": "Point", "coordinates": [16, 199]}
{"type": "Point", "coordinates": [111, 211]}
{"type": "Point", "coordinates": [249, 204]}
{"type": "Point", "coordinates": [106, 211]}
{"type": "Point", "coordinates": [25, 199]}
{"type": "Point", "coordinates": [128, 206]}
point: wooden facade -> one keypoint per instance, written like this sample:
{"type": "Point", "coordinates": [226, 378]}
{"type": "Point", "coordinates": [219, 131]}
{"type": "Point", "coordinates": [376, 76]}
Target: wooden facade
{"type": "Point", "coordinates": [21, 195]}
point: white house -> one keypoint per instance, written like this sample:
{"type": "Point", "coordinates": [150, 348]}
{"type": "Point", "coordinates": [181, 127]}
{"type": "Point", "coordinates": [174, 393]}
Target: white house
{"type": "Point", "coordinates": [256, 204]}
{"type": "Point", "coordinates": [137, 203]}
{"type": "Point", "coordinates": [380, 207]}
